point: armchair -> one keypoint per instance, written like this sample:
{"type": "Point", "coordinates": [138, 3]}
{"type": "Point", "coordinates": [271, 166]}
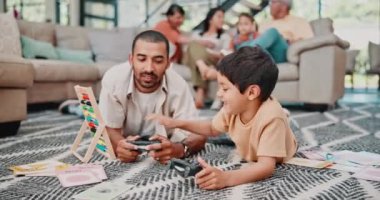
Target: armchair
{"type": "Point", "coordinates": [374, 60]}
{"type": "Point", "coordinates": [314, 73]}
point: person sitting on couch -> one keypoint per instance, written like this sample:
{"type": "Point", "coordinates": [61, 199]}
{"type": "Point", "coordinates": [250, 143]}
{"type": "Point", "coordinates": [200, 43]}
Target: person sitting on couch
{"type": "Point", "coordinates": [169, 27]}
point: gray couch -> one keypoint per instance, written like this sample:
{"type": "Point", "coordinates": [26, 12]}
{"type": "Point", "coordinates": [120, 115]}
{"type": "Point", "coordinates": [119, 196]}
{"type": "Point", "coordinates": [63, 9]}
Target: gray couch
{"type": "Point", "coordinates": [314, 73]}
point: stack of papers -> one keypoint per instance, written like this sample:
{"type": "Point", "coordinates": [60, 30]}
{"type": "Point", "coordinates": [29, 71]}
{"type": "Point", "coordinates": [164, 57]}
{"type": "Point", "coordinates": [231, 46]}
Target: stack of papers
{"type": "Point", "coordinates": [68, 175]}
{"type": "Point", "coordinates": [44, 168]}
{"type": "Point", "coordinates": [363, 164]}
{"type": "Point", "coordinates": [81, 175]}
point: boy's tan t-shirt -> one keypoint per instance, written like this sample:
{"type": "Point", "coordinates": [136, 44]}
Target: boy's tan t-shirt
{"type": "Point", "coordinates": [267, 134]}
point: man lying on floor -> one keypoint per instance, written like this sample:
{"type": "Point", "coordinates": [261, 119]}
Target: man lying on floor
{"type": "Point", "coordinates": [132, 90]}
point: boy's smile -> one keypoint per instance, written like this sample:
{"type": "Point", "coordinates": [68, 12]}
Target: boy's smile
{"type": "Point", "coordinates": [233, 101]}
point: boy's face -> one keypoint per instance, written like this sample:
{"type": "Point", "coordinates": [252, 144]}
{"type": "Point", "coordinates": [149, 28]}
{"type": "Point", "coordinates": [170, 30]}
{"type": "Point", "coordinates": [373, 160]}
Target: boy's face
{"type": "Point", "coordinates": [149, 61]}
{"type": "Point", "coordinates": [245, 25]}
{"type": "Point", "coordinates": [233, 101]}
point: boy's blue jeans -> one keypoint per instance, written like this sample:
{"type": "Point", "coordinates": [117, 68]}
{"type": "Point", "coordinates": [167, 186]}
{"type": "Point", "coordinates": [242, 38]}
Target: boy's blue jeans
{"type": "Point", "coordinates": [273, 42]}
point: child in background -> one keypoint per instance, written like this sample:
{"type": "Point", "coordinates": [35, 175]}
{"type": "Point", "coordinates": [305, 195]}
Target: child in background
{"type": "Point", "coordinates": [246, 30]}
{"type": "Point", "coordinates": [252, 118]}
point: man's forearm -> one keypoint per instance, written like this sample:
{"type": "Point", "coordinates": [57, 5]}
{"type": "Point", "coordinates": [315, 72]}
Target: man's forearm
{"type": "Point", "coordinates": [115, 136]}
{"type": "Point", "coordinates": [195, 143]}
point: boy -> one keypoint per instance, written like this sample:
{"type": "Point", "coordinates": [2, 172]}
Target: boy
{"type": "Point", "coordinates": [253, 119]}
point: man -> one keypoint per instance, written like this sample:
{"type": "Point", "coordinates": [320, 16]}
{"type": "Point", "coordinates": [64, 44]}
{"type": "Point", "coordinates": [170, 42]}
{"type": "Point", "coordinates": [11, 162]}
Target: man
{"type": "Point", "coordinates": [292, 28]}
{"type": "Point", "coordinates": [146, 85]}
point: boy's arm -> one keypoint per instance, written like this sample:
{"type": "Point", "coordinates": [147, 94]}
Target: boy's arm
{"type": "Point", "coordinates": [263, 169]}
{"type": "Point", "coordinates": [198, 127]}
{"type": "Point", "coordinates": [195, 126]}
{"type": "Point", "coordinates": [212, 178]}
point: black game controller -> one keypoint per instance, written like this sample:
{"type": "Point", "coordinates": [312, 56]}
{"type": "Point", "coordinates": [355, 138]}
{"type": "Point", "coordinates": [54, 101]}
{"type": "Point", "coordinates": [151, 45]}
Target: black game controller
{"type": "Point", "coordinates": [185, 168]}
{"type": "Point", "coordinates": [142, 144]}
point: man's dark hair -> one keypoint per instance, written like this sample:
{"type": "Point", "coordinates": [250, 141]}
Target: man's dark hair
{"type": "Point", "coordinates": [250, 66]}
{"type": "Point", "coordinates": [151, 36]}
{"type": "Point", "coordinates": [175, 8]}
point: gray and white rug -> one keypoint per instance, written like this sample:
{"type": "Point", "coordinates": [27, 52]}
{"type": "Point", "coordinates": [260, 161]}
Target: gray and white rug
{"type": "Point", "coordinates": [49, 135]}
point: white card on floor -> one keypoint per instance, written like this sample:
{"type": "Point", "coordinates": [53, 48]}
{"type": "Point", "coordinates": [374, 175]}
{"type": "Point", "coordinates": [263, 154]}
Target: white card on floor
{"type": "Point", "coordinates": [308, 163]}
{"type": "Point", "coordinates": [369, 173]}
{"type": "Point", "coordinates": [103, 191]}
{"type": "Point", "coordinates": [80, 177]}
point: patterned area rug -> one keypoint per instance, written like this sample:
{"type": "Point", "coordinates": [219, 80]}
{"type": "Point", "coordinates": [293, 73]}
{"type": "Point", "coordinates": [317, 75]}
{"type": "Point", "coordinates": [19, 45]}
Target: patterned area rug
{"type": "Point", "coordinates": [49, 135]}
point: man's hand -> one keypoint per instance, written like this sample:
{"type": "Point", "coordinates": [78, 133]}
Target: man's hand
{"type": "Point", "coordinates": [165, 150]}
{"type": "Point", "coordinates": [210, 178]}
{"type": "Point", "coordinates": [125, 151]}
{"type": "Point", "coordinates": [163, 120]}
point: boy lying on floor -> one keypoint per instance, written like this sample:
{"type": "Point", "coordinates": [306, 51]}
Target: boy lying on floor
{"type": "Point", "coordinates": [253, 119]}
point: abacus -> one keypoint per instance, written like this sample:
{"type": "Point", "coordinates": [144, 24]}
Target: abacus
{"type": "Point", "coordinates": [93, 123]}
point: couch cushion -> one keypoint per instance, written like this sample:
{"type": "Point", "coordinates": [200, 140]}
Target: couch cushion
{"type": "Point", "coordinates": [78, 56]}
{"type": "Point", "coordinates": [104, 65]}
{"type": "Point", "coordinates": [112, 45]}
{"type": "Point", "coordinates": [297, 48]}
{"type": "Point", "coordinates": [38, 31]}
{"type": "Point", "coordinates": [374, 56]}
{"type": "Point", "coordinates": [287, 72]}
{"type": "Point", "coordinates": [34, 48]}
{"type": "Point", "coordinates": [322, 26]}
{"type": "Point", "coordinates": [69, 37]}
{"type": "Point", "coordinates": [58, 71]}
{"type": "Point", "coordinates": [9, 36]}
{"type": "Point", "coordinates": [15, 72]}
{"type": "Point", "coordinates": [183, 70]}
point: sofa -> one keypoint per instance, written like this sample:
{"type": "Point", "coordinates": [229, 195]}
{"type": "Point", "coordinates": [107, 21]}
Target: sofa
{"type": "Point", "coordinates": [313, 75]}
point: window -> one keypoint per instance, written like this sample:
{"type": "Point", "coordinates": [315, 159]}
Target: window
{"type": "Point", "coordinates": [31, 10]}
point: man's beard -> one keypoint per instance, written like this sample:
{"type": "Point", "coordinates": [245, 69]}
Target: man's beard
{"type": "Point", "coordinates": [148, 80]}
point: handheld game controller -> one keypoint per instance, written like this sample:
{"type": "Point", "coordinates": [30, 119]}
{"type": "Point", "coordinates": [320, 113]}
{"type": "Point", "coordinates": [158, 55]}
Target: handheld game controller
{"type": "Point", "coordinates": [185, 168]}
{"type": "Point", "coordinates": [142, 144]}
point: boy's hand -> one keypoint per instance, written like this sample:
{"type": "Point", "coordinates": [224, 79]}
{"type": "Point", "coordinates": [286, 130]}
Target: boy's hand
{"type": "Point", "coordinates": [125, 151]}
{"type": "Point", "coordinates": [210, 178]}
{"type": "Point", "coordinates": [163, 120]}
{"type": "Point", "coordinates": [165, 150]}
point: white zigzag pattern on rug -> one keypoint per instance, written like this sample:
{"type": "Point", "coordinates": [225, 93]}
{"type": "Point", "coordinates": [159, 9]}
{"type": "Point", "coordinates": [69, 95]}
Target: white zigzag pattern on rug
{"type": "Point", "coordinates": [49, 134]}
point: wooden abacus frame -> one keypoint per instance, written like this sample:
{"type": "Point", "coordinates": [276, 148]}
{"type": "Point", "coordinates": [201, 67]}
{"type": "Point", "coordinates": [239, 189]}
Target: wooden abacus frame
{"type": "Point", "coordinates": [93, 122]}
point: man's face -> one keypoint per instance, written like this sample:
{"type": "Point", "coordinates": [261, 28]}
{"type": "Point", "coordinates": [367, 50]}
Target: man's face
{"type": "Point", "coordinates": [149, 61]}
{"type": "Point", "coordinates": [276, 7]}
{"type": "Point", "coordinates": [176, 20]}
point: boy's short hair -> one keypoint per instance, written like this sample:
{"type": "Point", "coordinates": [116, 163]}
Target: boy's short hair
{"type": "Point", "coordinates": [250, 66]}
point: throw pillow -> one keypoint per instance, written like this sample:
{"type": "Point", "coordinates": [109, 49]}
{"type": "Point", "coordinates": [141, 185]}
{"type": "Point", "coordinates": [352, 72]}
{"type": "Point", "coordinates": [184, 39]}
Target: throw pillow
{"type": "Point", "coordinates": [79, 56]}
{"type": "Point", "coordinates": [114, 45]}
{"type": "Point", "coordinates": [9, 36]}
{"type": "Point", "coordinates": [37, 49]}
